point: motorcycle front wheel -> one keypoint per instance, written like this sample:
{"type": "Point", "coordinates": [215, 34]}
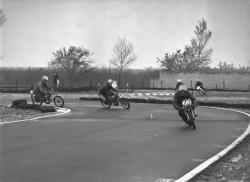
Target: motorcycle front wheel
{"type": "Point", "coordinates": [58, 101]}
{"type": "Point", "coordinates": [125, 104]}
{"type": "Point", "coordinates": [191, 118]}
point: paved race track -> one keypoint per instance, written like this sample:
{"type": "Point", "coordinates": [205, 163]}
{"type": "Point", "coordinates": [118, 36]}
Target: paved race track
{"type": "Point", "coordinates": [91, 144]}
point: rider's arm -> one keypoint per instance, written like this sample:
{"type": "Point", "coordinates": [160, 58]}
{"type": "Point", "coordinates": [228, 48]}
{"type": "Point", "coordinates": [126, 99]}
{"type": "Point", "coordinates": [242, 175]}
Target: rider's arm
{"type": "Point", "coordinates": [47, 87]}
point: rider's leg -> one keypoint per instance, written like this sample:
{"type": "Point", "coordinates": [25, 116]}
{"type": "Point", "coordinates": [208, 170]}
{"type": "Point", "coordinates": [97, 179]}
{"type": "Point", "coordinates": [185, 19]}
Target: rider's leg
{"type": "Point", "coordinates": [109, 99]}
{"type": "Point", "coordinates": [116, 99]}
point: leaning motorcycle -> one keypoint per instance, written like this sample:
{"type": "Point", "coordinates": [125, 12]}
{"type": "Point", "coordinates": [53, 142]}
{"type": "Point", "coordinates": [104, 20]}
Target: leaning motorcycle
{"type": "Point", "coordinates": [189, 112]}
{"type": "Point", "coordinates": [201, 91]}
{"type": "Point", "coordinates": [57, 99]}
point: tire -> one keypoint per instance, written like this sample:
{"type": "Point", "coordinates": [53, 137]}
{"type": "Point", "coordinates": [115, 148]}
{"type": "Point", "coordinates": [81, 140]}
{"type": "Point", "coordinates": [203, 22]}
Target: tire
{"type": "Point", "coordinates": [34, 101]}
{"type": "Point", "coordinates": [125, 104]}
{"type": "Point", "coordinates": [19, 102]}
{"type": "Point", "coordinates": [58, 101]}
{"type": "Point", "coordinates": [191, 118]}
{"type": "Point", "coordinates": [105, 105]}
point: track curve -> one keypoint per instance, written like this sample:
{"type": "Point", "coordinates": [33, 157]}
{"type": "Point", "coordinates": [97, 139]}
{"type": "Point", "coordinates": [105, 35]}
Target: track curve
{"type": "Point", "coordinates": [93, 144]}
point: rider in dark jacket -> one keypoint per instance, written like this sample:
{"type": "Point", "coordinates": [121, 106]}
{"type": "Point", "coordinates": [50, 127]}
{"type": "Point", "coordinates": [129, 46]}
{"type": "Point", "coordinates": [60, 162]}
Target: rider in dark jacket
{"type": "Point", "coordinates": [181, 94]}
{"type": "Point", "coordinates": [198, 84]}
{"type": "Point", "coordinates": [108, 91]}
{"type": "Point", "coordinates": [42, 89]}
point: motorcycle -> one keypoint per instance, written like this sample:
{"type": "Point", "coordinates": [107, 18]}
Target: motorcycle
{"type": "Point", "coordinates": [116, 100]}
{"type": "Point", "coordinates": [189, 112]}
{"type": "Point", "coordinates": [201, 91]}
{"type": "Point", "coordinates": [57, 99]}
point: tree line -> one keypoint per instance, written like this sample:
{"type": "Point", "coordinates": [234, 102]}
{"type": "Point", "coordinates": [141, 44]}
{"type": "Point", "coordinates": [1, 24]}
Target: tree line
{"type": "Point", "coordinates": [93, 77]}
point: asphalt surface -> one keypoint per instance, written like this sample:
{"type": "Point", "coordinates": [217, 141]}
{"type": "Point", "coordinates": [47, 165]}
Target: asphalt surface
{"type": "Point", "coordinates": [92, 144]}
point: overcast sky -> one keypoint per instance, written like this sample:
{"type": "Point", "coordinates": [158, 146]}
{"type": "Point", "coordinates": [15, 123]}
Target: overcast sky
{"type": "Point", "coordinates": [36, 28]}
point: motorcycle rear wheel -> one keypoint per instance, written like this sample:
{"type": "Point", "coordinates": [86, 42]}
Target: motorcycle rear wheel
{"type": "Point", "coordinates": [105, 105]}
{"type": "Point", "coordinates": [33, 100]}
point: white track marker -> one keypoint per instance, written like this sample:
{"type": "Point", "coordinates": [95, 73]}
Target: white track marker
{"type": "Point", "coordinates": [151, 116]}
{"type": "Point", "coordinates": [219, 146]}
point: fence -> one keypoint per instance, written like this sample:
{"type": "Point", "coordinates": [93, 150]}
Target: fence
{"type": "Point", "coordinates": [240, 82]}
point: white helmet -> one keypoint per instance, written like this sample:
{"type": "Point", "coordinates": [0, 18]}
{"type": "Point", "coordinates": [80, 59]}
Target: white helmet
{"type": "Point", "coordinates": [179, 81]}
{"type": "Point", "coordinates": [197, 80]}
{"type": "Point", "coordinates": [110, 81]}
{"type": "Point", "coordinates": [45, 79]}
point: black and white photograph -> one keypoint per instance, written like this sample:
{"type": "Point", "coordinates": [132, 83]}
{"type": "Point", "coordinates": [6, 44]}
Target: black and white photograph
{"type": "Point", "coordinates": [124, 90]}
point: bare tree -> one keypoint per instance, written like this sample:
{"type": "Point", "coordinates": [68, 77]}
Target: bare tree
{"type": "Point", "coordinates": [123, 56]}
{"type": "Point", "coordinates": [71, 60]}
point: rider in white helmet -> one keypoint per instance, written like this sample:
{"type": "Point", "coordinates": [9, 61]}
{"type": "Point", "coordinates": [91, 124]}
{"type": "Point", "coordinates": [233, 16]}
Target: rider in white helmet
{"type": "Point", "coordinates": [108, 91]}
{"type": "Point", "coordinates": [181, 94]}
{"type": "Point", "coordinates": [179, 82]}
{"type": "Point", "coordinates": [42, 89]}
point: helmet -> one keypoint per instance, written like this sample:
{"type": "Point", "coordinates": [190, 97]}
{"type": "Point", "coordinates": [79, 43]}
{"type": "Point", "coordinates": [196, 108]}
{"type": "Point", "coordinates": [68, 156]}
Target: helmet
{"type": "Point", "coordinates": [182, 87]}
{"type": "Point", "coordinates": [45, 78]}
{"type": "Point", "coordinates": [110, 81]}
{"type": "Point", "coordinates": [197, 80]}
{"type": "Point", "coordinates": [179, 81]}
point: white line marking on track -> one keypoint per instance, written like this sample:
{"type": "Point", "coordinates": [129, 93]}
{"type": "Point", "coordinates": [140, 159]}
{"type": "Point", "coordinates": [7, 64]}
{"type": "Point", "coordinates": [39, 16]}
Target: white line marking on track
{"type": "Point", "coordinates": [60, 110]}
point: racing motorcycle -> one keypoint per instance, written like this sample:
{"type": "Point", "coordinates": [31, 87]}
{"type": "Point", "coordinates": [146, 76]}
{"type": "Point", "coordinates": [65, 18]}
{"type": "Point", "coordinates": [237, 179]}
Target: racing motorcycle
{"type": "Point", "coordinates": [201, 91]}
{"type": "Point", "coordinates": [121, 101]}
{"type": "Point", "coordinates": [189, 112]}
{"type": "Point", "coordinates": [57, 99]}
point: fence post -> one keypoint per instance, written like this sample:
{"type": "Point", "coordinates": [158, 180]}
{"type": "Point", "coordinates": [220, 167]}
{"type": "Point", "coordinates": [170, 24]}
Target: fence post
{"type": "Point", "coordinates": [127, 85]}
{"type": "Point", "coordinates": [16, 86]}
{"type": "Point", "coordinates": [98, 86]}
{"type": "Point", "coordinates": [216, 86]}
{"type": "Point", "coordinates": [223, 84]}
{"type": "Point", "coordinates": [90, 84]}
{"type": "Point", "coordinates": [161, 83]}
{"type": "Point", "coordinates": [192, 87]}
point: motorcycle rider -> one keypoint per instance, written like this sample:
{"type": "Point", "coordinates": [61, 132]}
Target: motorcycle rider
{"type": "Point", "coordinates": [56, 81]}
{"type": "Point", "coordinates": [199, 84]}
{"type": "Point", "coordinates": [108, 92]}
{"type": "Point", "coordinates": [181, 94]}
{"type": "Point", "coordinates": [179, 82]}
{"type": "Point", "coordinates": [41, 89]}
